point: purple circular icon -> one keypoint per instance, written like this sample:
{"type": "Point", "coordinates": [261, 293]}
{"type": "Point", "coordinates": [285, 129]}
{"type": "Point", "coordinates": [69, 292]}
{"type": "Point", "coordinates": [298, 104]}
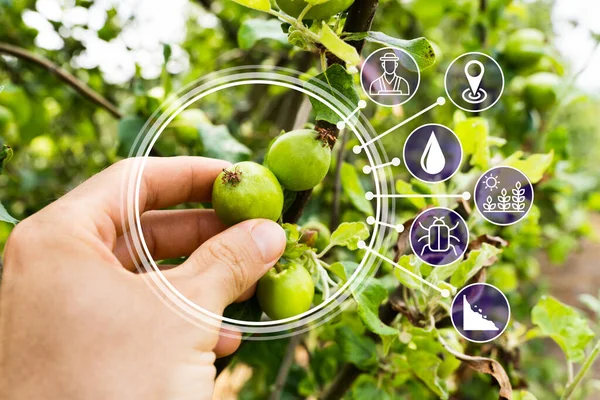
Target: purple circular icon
{"type": "Point", "coordinates": [480, 312]}
{"type": "Point", "coordinates": [432, 153]}
{"type": "Point", "coordinates": [503, 195]}
{"type": "Point", "coordinates": [439, 236]}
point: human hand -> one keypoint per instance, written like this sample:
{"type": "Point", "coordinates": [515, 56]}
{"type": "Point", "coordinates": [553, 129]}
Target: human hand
{"type": "Point", "coordinates": [77, 322]}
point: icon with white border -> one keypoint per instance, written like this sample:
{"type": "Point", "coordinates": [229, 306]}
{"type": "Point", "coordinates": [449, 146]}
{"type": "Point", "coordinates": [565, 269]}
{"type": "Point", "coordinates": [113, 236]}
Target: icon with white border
{"type": "Point", "coordinates": [439, 236]}
{"type": "Point", "coordinates": [480, 312]}
{"type": "Point", "coordinates": [390, 76]}
{"type": "Point", "coordinates": [432, 153]}
{"type": "Point", "coordinates": [474, 82]}
{"type": "Point", "coordinates": [503, 195]}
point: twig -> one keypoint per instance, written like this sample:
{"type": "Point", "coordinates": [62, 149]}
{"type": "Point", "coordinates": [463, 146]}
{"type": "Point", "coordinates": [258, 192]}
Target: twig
{"type": "Point", "coordinates": [63, 75]}
{"type": "Point", "coordinates": [284, 368]}
{"type": "Point", "coordinates": [589, 361]}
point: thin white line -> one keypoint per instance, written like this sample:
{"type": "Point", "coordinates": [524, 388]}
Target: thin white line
{"type": "Point", "coordinates": [407, 120]}
{"type": "Point", "coordinates": [342, 124]}
{"type": "Point", "coordinates": [367, 169]}
{"type": "Point", "coordinates": [370, 196]}
{"type": "Point", "coordinates": [372, 221]}
{"type": "Point", "coordinates": [431, 285]}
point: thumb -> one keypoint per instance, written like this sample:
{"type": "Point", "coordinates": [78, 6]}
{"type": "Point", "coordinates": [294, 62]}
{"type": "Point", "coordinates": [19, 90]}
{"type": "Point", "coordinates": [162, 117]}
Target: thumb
{"type": "Point", "coordinates": [228, 264]}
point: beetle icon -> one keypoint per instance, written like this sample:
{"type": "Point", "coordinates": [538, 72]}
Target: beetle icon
{"type": "Point", "coordinates": [439, 236]}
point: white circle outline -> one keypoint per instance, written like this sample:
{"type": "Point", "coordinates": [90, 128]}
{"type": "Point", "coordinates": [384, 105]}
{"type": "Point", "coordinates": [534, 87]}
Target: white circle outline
{"type": "Point", "coordinates": [459, 145]}
{"type": "Point", "coordinates": [452, 314]}
{"type": "Point", "coordinates": [522, 216]}
{"type": "Point", "coordinates": [446, 80]}
{"type": "Point", "coordinates": [362, 85]}
{"type": "Point", "coordinates": [410, 235]}
{"type": "Point", "coordinates": [377, 235]}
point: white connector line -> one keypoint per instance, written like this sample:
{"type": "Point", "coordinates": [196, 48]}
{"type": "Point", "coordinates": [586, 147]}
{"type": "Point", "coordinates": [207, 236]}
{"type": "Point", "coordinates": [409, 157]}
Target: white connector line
{"type": "Point", "coordinates": [367, 169]}
{"type": "Point", "coordinates": [439, 102]}
{"type": "Point", "coordinates": [363, 245]}
{"type": "Point", "coordinates": [465, 196]}
{"type": "Point", "coordinates": [342, 124]}
{"type": "Point", "coordinates": [372, 221]}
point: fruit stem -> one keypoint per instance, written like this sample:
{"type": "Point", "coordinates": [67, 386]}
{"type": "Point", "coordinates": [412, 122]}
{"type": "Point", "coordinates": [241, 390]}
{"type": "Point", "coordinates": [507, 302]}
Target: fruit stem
{"type": "Point", "coordinates": [278, 267]}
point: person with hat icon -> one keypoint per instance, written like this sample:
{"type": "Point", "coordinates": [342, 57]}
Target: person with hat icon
{"type": "Point", "coordinates": [389, 83]}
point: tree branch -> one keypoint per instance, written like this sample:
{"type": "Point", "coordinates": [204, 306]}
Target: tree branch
{"type": "Point", "coordinates": [63, 75]}
{"type": "Point", "coordinates": [284, 368]}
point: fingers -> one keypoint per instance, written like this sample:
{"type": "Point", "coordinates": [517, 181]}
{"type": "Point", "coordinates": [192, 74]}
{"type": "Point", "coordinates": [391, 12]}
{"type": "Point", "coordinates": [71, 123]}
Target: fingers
{"type": "Point", "coordinates": [166, 181]}
{"type": "Point", "coordinates": [228, 343]}
{"type": "Point", "coordinates": [172, 234]}
{"type": "Point", "coordinates": [230, 263]}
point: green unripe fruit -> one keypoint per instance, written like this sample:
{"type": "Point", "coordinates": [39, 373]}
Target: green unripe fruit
{"type": "Point", "coordinates": [323, 235]}
{"type": "Point", "coordinates": [525, 46]}
{"type": "Point", "coordinates": [541, 90]}
{"type": "Point", "coordinates": [247, 190]}
{"type": "Point", "coordinates": [285, 293]}
{"type": "Point", "coordinates": [186, 125]}
{"type": "Point", "coordinates": [320, 11]}
{"type": "Point", "coordinates": [299, 159]}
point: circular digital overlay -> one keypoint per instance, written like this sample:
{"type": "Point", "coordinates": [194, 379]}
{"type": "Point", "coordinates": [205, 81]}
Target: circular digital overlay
{"type": "Point", "coordinates": [235, 77]}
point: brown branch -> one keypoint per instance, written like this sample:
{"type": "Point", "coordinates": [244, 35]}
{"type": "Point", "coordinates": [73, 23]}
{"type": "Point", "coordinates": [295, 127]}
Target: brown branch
{"type": "Point", "coordinates": [284, 368]}
{"type": "Point", "coordinates": [63, 75]}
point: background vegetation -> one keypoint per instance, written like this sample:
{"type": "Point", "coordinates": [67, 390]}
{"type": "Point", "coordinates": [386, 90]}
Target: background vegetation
{"type": "Point", "coordinates": [66, 118]}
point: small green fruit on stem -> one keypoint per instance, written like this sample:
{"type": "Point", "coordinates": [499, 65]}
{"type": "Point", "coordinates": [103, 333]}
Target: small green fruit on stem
{"type": "Point", "coordinates": [285, 291]}
{"type": "Point", "coordinates": [247, 190]}
{"type": "Point", "coordinates": [300, 159]}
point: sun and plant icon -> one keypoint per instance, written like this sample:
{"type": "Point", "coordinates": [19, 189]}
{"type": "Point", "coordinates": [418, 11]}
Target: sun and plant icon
{"type": "Point", "coordinates": [491, 182]}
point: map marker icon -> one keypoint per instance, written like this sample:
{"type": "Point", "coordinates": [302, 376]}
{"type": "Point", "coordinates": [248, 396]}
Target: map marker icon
{"type": "Point", "coordinates": [475, 94]}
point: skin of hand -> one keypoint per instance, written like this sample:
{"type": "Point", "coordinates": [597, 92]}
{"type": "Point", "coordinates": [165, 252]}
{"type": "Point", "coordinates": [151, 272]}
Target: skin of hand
{"type": "Point", "coordinates": [76, 319]}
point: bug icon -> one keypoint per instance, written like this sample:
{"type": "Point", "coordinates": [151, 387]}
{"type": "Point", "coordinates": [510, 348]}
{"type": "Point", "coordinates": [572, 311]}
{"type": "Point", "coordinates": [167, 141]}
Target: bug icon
{"type": "Point", "coordinates": [439, 236]}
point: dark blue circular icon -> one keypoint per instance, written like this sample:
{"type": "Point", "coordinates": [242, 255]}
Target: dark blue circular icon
{"type": "Point", "coordinates": [439, 236]}
{"type": "Point", "coordinates": [432, 153]}
{"type": "Point", "coordinates": [480, 312]}
{"type": "Point", "coordinates": [503, 195]}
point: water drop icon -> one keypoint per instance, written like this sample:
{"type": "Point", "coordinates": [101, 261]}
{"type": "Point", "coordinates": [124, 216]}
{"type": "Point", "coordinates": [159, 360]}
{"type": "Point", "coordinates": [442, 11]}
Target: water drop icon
{"type": "Point", "coordinates": [433, 160]}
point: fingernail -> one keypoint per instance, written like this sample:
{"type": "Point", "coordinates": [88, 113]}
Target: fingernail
{"type": "Point", "coordinates": [269, 237]}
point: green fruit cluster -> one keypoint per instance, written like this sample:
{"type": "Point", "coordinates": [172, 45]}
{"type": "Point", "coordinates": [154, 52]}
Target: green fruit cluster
{"type": "Point", "coordinates": [296, 161]}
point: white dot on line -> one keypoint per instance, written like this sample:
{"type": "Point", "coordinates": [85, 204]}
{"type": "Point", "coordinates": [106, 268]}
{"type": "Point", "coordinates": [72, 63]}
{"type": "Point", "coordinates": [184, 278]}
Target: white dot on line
{"type": "Point", "coordinates": [362, 104]}
{"type": "Point", "coordinates": [340, 125]}
{"type": "Point", "coordinates": [466, 196]}
{"type": "Point", "coordinates": [370, 220]}
{"type": "Point", "coordinates": [395, 161]}
{"type": "Point", "coordinates": [356, 149]}
{"type": "Point", "coordinates": [366, 169]}
{"type": "Point", "coordinates": [441, 101]}
{"type": "Point", "coordinates": [445, 293]}
{"type": "Point", "coordinates": [399, 228]}
{"type": "Point", "coordinates": [362, 244]}
{"type": "Point", "coordinates": [369, 195]}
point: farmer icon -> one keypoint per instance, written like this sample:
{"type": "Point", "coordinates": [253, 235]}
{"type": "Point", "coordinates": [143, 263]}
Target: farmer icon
{"type": "Point", "coordinates": [390, 76]}
{"type": "Point", "coordinates": [439, 236]}
{"type": "Point", "coordinates": [389, 83]}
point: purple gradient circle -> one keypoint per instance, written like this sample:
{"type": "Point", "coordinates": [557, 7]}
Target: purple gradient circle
{"type": "Point", "coordinates": [503, 195]}
{"type": "Point", "coordinates": [418, 147]}
{"type": "Point", "coordinates": [439, 236]}
{"type": "Point", "coordinates": [480, 312]}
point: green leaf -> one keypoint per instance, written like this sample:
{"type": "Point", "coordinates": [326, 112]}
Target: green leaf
{"type": "Point", "coordinates": [358, 350]}
{"type": "Point", "coordinates": [248, 310]}
{"type": "Point", "coordinates": [5, 216]}
{"type": "Point", "coordinates": [523, 395]}
{"type": "Point", "coordinates": [473, 135]}
{"type": "Point", "coordinates": [348, 234]}
{"type": "Point", "coordinates": [533, 166]}
{"type": "Point", "coordinates": [404, 187]}
{"type": "Point", "coordinates": [366, 387]}
{"type": "Point", "coordinates": [425, 366]}
{"type": "Point", "coordinates": [476, 260]}
{"type": "Point", "coordinates": [129, 128]}
{"type": "Point", "coordinates": [368, 302]}
{"type": "Point", "coordinates": [354, 190]}
{"type": "Point", "coordinates": [255, 29]}
{"type": "Point", "coordinates": [6, 154]}
{"type": "Point", "coordinates": [343, 269]}
{"type": "Point", "coordinates": [337, 46]}
{"type": "Point", "coordinates": [564, 325]}
{"type": "Point", "coordinates": [413, 265]}
{"type": "Point", "coordinates": [419, 48]}
{"type": "Point", "coordinates": [339, 83]}
{"type": "Point", "coordinates": [261, 5]}
{"type": "Point", "coordinates": [220, 144]}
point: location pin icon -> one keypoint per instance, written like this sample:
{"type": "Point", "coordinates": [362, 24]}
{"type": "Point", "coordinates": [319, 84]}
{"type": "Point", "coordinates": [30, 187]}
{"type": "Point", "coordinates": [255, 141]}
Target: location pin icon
{"type": "Point", "coordinates": [474, 81]}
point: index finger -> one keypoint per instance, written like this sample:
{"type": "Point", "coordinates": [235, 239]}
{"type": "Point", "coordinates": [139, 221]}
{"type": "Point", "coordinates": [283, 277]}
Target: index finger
{"type": "Point", "coordinates": [165, 182]}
